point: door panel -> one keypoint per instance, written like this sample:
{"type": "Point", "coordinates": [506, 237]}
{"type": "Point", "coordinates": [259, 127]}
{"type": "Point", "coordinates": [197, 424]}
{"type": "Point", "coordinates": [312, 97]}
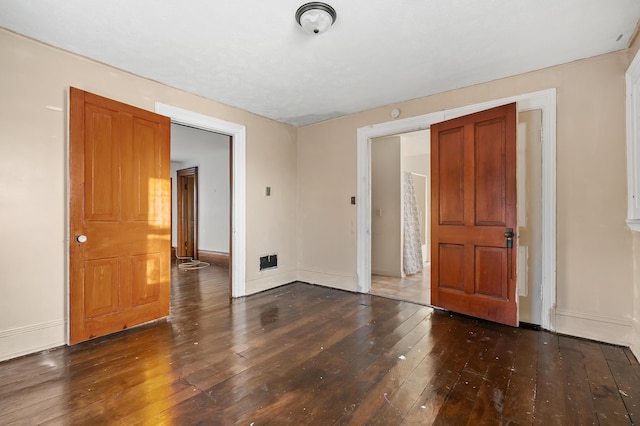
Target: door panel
{"type": "Point", "coordinates": [491, 266]}
{"type": "Point", "coordinates": [452, 266]}
{"type": "Point", "coordinates": [451, 165]}
{"type": "Point", "coordinates": [146, 163]}
{"type": "Point", "coordinates": [490, 174]}
{"type": "Point", "coordinates": [102, 196]}
{"type": "Point", "coordinates": [101, 283]}
{"type": "Point", "coordinates": [120, 199]}
{"type": "Point", "coordinates": [473, 160]}
{"type": "Point", "coordinates": [145, 269]}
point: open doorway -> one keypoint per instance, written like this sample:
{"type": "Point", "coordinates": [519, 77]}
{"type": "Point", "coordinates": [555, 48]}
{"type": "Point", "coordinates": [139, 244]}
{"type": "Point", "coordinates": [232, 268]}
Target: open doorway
{"type": "Point", "coordinates": [200, 161]}
{"type": "Point", "coordinates": [400, 258]}
{"type": "Point", "coordinates": [393, 157]}
{"type": "Point", "coordinates": [543, 297]}
{"type": "Point", "coordinates": [237, 134]}
{"type": "Point", "coordinates": [187, 211]}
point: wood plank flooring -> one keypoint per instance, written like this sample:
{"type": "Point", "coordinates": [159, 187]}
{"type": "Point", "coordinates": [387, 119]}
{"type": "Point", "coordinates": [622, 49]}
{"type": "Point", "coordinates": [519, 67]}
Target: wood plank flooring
{"type": "Point", "coordinates": [303, 354]}
{"type": "Point", "coordinates": [414, 288]}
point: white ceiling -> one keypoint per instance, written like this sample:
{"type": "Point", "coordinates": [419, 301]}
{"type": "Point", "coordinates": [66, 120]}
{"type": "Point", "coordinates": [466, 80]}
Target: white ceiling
{"type": "Point", "coordinates": [252, 54]}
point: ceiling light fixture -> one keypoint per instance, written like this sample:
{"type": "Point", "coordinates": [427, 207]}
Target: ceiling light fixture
{"type": "Point", "coordinates": [315, 17]}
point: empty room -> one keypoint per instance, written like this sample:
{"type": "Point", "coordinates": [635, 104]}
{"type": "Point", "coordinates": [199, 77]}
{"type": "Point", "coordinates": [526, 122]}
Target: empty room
{"type": "Point", "coordinates": [417, 212]}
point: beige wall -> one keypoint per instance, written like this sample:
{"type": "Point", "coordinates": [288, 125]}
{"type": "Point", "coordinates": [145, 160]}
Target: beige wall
{"type": "Point", "coordinates": [594, 246]}
{"type": "Point", "coordinates": [635, 337]}
{"type": "Point", "coordinates": [33, 167]}
{"type": "Point", "coordinates": [530, 215]}
{"type": "Point", "coordinates": [386, 207]}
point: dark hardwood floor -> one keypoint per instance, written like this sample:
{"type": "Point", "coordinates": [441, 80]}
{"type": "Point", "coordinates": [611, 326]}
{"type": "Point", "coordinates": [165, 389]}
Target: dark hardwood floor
{"type": "Point", "coordinates": [303, 354]}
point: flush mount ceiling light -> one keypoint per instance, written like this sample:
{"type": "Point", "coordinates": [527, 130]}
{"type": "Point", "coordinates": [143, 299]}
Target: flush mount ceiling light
{"type": "Point", "coordinates": [315, 17]}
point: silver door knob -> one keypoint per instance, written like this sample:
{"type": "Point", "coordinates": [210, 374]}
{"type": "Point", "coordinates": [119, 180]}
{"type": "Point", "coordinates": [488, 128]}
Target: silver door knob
{"type": "Point", "coordinates": [81, 238]}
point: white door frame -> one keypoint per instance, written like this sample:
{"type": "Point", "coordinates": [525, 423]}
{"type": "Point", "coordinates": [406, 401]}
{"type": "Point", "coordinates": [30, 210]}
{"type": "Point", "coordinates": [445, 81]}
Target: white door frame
{"type": "Point", "coordinates": [238, 191]}
{"type": "Point", "coordinates": [544, 100]}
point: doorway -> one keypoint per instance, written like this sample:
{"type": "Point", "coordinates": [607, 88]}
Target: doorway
{"type": "Point", "coordinates": [237, 133]}
{"type": "Point", "coordinates": [545, 101]}
{"type": "Point", "coordinates": [400, 258]}
{"type": "Point", "coordinates": [149, 177]}
{"type": "Point", "coordinates": [187, 220]}
{"type": "Point", "coordinates": [200, 161]}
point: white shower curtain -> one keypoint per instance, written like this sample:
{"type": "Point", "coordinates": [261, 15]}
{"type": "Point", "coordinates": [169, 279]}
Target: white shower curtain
{"type": "Point", "coordinates": [412, 247]}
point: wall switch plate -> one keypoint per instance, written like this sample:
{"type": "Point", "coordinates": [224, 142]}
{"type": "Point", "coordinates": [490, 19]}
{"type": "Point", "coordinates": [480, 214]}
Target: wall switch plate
{"type": "Point", "coordinates": [267, 191]}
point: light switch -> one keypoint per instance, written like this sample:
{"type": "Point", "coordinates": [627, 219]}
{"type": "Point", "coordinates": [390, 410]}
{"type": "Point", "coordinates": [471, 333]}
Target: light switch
{"type": "Point", "coordinates": [267, 191]}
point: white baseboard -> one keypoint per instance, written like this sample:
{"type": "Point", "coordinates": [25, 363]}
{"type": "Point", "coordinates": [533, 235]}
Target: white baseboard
{"type": "Point", "coordinates": [604, 329]}
{"type": "Point", "coordinates": [339, 281]}
{"type": "Point", "coordinates": [634, 345]}
{"type": "Point", "coordinates": [20, 341]}
{"type": "Point", "coordinates": [269, 279]}
{"type": "Point", "coordinates": [385, 272]}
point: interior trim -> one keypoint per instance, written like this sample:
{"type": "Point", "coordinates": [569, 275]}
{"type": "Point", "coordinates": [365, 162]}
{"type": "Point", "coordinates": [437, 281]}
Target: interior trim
{"type": "Point", "coordinates": [635, 338]}
{"type": "Point", "coordinates": [632, 81]}
{"type": "Point", "coordinates": [19, 341]}
{"type": "Point", "coordinates": [544, 100]}
{"type": "Point", "coordinates": [633, 224]}
{"type": "Point", "coordinates": [594, 327]}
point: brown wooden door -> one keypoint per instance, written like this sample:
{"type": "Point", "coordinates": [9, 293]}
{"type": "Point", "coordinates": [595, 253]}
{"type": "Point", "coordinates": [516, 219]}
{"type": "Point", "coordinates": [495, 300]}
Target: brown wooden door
{"type": "Point", "coordinates": [473, 161]}
{"type": "Point", "coordinates": [120, 200]}
{"type": "Point", "coordinates": [188, 213]}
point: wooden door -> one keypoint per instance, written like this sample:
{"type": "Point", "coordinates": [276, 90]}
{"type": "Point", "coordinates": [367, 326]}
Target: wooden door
{"type": "Point", "coordinates": [120, 201]}
{"type": "Point", "coordinates": [473, 168]}
{"type": "Point", "coordinates": [188, 212]}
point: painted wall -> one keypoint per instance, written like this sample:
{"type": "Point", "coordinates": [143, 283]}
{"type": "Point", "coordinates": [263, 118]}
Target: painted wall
{"type": "Point", "coordinates": [386, 207]}
{"type": "Point", "coordinates": [635, 332]}
{"type": "Point", "coordinates": [594, 246]}
{"type": "Point", "coordinates": [529, 180]}
{"type": "Point", "coordinates": [390, 157]}
{"type": "Point", "coordinates": [33, 184]}
{"type": "Point", "coordinates": [209, 152]}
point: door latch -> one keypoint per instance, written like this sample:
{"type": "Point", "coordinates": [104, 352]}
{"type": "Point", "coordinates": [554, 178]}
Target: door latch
{"type": "Point", "coordinates": [508, 235]}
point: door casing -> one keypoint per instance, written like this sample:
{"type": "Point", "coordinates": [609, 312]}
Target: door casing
{"type": "Point", "coordinates": [238, 246]}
